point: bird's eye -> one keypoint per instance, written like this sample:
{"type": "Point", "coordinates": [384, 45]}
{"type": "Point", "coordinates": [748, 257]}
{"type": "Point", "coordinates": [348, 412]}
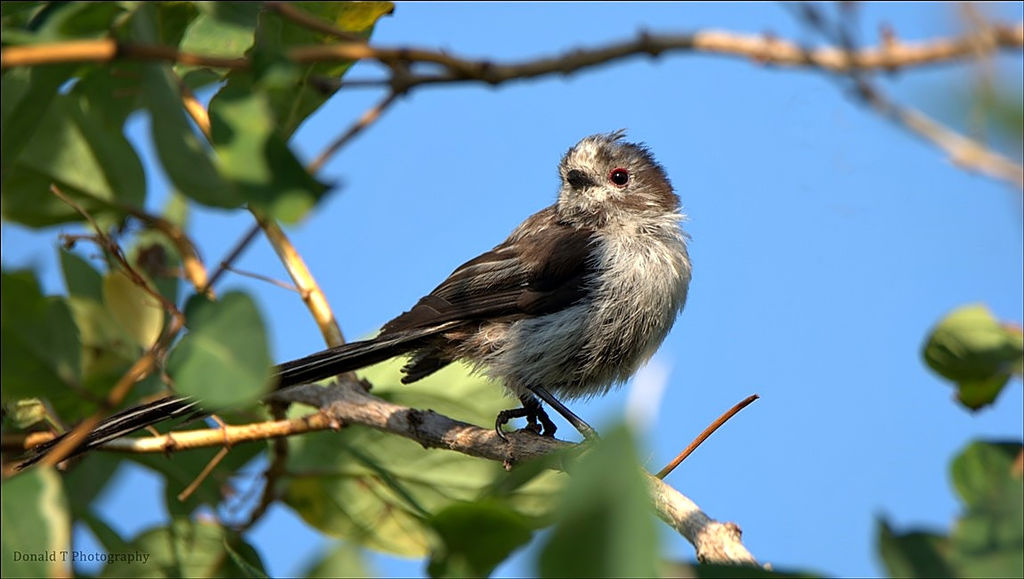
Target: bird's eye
{"type": "Point", "coordinates": [619, 176]}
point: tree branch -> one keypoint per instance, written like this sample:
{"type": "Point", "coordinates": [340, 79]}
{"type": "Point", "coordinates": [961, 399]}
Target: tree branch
{"type": "Point", "coordinates": [889, 56]}
{"type": "Point", "coordinates": [345, 403]}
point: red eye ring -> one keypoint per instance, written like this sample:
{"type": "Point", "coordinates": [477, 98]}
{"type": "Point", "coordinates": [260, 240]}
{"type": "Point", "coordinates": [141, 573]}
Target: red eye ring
{"type": "Point", "coordinates": [619, 176]}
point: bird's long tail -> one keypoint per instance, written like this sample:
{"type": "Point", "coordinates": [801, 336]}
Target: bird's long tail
{"type": "Point", "coordinates": [312, 368]}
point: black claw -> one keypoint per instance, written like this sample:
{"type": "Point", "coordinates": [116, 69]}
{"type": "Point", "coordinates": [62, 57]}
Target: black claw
{"type": "Point", "coordinates": [537, 420]}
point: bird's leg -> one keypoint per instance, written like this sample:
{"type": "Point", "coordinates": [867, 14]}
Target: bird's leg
{"type": "Point", "coordinates": [585, 429]}
{"type": "Point", "coordinates": [532, 411]}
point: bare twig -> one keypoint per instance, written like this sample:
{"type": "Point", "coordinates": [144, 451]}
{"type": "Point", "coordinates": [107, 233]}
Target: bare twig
{"type": "Point", "coordinates": [240, 246]}
{"type": "Point", "coordinates": [963, 151]}
{"type": "Point", "coordinates": [704, 435]}
{"type": "Point", "coordinates": [264, 278]}
{"type": "Point", "coordinates": [367, 119]}
{"type": "Point", "coordinates": [203, 474]}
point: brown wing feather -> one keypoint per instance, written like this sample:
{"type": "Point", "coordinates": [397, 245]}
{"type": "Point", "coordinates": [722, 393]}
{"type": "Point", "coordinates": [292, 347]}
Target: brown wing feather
{"type": "Point", "coordinates": [541, 268]}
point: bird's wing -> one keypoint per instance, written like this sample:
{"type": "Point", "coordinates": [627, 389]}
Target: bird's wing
{"type": "Point", "coordinates": [541, 268]}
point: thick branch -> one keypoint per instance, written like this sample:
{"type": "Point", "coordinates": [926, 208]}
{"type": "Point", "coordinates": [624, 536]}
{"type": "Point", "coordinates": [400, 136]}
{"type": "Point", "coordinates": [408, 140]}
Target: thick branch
{"type": "Point", "coordinates": [346, 403]}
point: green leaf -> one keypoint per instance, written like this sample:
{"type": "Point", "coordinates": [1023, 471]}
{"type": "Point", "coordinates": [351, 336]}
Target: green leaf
{"type": "Point", "coordinates": [475, 538]}
{"type": "Point", "coordinates": [254, 156]}
{"type": "Point", "coordinates": [104, 533]}
{"type": "Point", "coordinates": [343, 560]}
{"type": "Point", "coordinates": [25, 412]}
{"type": "Point", "coordinates": [87, 480]}
{"type": "Point", "coordinates": [185, 159]}
{"type": "Point", "coordinates": [972, 348]}
{"type": "Point", "coordinates": [80, 278]}
{"type": "Point", "coordinates": [187, 549]}
{"type": "Point", "coordinates": [88, 160]}
{"type": "Point", "coordinates": [224, 359]}
{"type": "Point", "coordinates": [988, 540]}
{"type": "Point", "coordinates": [41, 343]}
{"type": "Point", "coordinates": [377, 490]}
{"type": "Point", "coordinates": [26, 95]}
{"type": "Point", "coordinates": [107, 352]}
{"type": "Point", "coordinates": [68, 20]}
{"type": "Point", "coordinates": [914, 554]}
{"type": "Point", "coordinates": [605, 526]}
{"type": "Point", "coordinates": [222, 29]}
{"type": "Point", "coordinates": [138, 313]}
{"type": "Point", "coordinates": [36, 525]}
{"type": "Point", "coordinates": [294, 98]}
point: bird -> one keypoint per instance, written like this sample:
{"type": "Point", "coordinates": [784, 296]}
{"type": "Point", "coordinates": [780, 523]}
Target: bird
{"type": "Point", "coordinates": [568, 306]}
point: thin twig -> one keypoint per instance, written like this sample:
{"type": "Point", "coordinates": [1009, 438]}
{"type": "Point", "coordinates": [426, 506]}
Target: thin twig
{"type": "Point", "coordinates": [278, 467]}
{"type": "Point", "coordinates": [192, 486]}
{"type": "Point", "coordinates": [966, 153]}
{"type": "Point", "coordinates": [264, 278]}
{"type": "Point", "coordinates": [704, 435]}
{"type": "Point", "coordinates": [367, 118]}
{"type": "Point", "coordinates": [240, 246]}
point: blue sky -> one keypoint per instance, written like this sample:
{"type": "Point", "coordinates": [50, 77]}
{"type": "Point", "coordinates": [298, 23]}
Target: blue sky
{"type": "Point", "coordinates": [826, 243]}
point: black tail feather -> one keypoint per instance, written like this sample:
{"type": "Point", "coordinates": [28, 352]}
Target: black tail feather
{"type": "Point", "coordinates": [312, 368]}
{"type": "Point", "coordinates": [352, 356]}
{"type": "Point", "coordinates": [122, 424]}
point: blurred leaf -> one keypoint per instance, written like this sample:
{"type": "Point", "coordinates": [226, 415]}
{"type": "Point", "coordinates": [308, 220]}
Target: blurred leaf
{"type": "Point", "coordinates": [475, 538]}
{"type": "Point", "coordinates": [187, 549]}
{"type": "Point", "coordinates": [293, 99]}
{"type": "Point", "coordinates": [41, 343]}
{"type": "Point", "coordinates": [914, 554]}
{"type": "Point", "coordinates": [988, 540]}
{"type": "Point", "coordinates": [249, 569]}
{"type": "Point", "coordinates": [26, 95]}
{"type": "Point", "coordinates": [36, 525]}
{"type": "Point", "coordinates": [185, 159]}
{"type": "Point", "coordinates": [377, 489]}
{"type": "Point", "coordinates": [107, 536]}
{"type": "Point", "coordinates": [343, 560]}
{"type": "Point", "coordinates": [606, 523]}
{"type": "Point", "coordinates": [88, 479]}
{"type": "Point", "coordinates": [254, 156]}
{"type": "Point", "coordinates": [59, 21]}
{"type": "Point", "coordinates": [107, 352]}
{"type": "Point", "coordinates": [223, 29]}
{"type": "Point", "coordinates": [138, 313]}
{"type": "Point", "coordinates": [223, 360]}
{"type": "Point", "coordinates": [155, 254]}
{"type": "Point", "coordinates": [80, 278]}
{"type": "Point", "coordinates": [26, 412]}
{"type": "Point", "coordinates": [111, 92]}
{"type": "Point", "coordinates": [89, 161]}
{"type": "Point", "coordinates": [970, 347]}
